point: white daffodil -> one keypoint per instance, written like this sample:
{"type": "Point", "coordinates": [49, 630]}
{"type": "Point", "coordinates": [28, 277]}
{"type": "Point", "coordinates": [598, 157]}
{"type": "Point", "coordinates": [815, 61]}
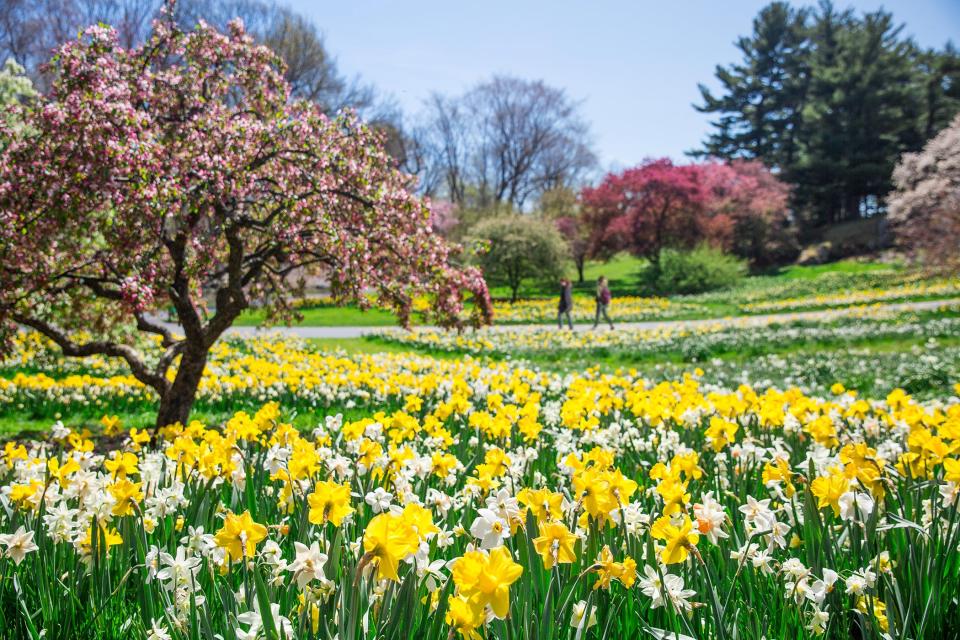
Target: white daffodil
{"type": "Point", "coordinates": [710, 518]}
{"type": "Point", "coordinates": [379, 499]}
{"type": "Point", "coordinates": [579, 619]}
{"type": "Point", "coordinates": [18, 544]}
{"type": "Point", "coordinates": [308, 564]}
{"type": "Point", "coordinates": [856, 505]}
{"type": "Point", "coordinates": [505, 505]}
{"type": "Point", "coordinates": [178, 571]}
{"type": "Point", "coordinates": [651, 586]}
{"type": "Point", "coordinates": [679, 597]}
{"type": "Point", "coordinates": [490, 529]}
{"type": "Point", "coordinates": [255, 622]}
{"type": "Point", "coordinates": [157, 632]}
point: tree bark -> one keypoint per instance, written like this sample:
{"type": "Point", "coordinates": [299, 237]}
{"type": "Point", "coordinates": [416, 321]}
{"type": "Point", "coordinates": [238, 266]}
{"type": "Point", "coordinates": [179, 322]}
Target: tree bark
{"type": "Point", "coordinates": [176, 403]}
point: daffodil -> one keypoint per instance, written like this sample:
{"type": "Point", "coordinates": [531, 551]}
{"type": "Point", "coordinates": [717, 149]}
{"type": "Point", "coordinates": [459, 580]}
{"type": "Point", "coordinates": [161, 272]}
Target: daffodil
{"type": "Point", "coordinates": [609, 570]}
{"type": "Point", "coordinates": [240, 536]}
{"type": "Point", "coordinates": [122, 464]}
{"type": "Point", "coordinates": [329, 502]}
{"type": "Point", "coordinates": [484, 579]}
{"type": "Point", "coordinates": [463, 618]}
{"type": "Point", "coordinates": [18, 544]}
{"type": "Point", "coordinates": [387, 541]}
{"type": "Point", "coordinates": [679, 539]}
{"type": "Point", "coordinates": [555, 544]}
{"type": "Point", "coordinates": [127, 494]}
{"type": "Point", "coordinates": [828, 489]}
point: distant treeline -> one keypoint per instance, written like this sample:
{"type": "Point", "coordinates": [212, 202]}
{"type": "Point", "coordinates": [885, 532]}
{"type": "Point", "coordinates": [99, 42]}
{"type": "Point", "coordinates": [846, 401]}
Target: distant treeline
{"type": "Point", "coordinates": [830, 100]}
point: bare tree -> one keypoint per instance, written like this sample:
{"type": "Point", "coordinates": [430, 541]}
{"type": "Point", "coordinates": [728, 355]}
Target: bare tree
{"type": "Point", "coordinates": [31, 29]}
{"type": "Point", "coordinates": [505, 141]}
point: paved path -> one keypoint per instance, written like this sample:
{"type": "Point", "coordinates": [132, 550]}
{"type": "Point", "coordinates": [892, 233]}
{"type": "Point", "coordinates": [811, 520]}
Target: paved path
{"type": "Point", "coordinates": [355, 332]}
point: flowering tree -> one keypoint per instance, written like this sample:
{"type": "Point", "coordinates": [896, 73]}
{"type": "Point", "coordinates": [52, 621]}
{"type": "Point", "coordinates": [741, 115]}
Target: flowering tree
{"type": "Point", "coordinates": [154, 175]}
{"type": "Point", "coordinates": [925, 207]}
{"type": "Point", "coordinates": [646, 209]}
{"type": "Point", "coordinates": [746, 210]}
{"type": "Point", "coordinates": [444, 217]}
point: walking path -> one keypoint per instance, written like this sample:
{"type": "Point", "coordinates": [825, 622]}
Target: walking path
{"type": "Point", "coordinates": [356, 332]}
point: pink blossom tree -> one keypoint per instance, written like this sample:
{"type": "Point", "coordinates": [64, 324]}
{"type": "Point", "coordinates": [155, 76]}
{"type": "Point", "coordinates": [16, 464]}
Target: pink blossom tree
{"type": "Point", "coordinates": [152, 175]}
{"type": "Point", "coordinates": [746, 210]}
{"type": "Point", "coordinates": [925, 206]}
{"type": "Point", "coordinates": [444, 217]}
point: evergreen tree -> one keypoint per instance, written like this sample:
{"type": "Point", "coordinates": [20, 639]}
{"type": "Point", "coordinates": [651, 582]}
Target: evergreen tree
{"type": "Point", "coordinates": [940, 88]}
{"type": "Point", "coordinates": [760, 107]}
{"type": "Point", "coordinates": [861, 113]}
{"type": "Point", "coordinates": [830, 100]}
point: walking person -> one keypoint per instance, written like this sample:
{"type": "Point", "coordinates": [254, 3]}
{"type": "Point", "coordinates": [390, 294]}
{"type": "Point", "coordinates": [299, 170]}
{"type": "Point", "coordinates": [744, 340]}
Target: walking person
{"type": "Point", "coordinates": [603, 301]}
{"type": "Point", "coordinates": [566, 303]}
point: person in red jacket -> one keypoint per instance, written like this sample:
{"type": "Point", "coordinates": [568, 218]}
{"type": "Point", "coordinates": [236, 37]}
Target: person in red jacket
{"type": "Point", "coordinates": [603, 301]}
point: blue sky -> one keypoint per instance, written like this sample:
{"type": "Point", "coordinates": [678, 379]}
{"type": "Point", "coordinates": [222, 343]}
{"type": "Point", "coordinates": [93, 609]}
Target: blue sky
{"type": "Point", "coordinates": [635, 65]}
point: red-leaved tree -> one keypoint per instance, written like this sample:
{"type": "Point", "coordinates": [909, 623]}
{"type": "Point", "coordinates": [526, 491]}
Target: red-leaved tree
{"type": "Point", "coordinates": [150, 176]}
{"type": "Point", "coordinates": [746, 211]}
{"type": "Point", "coordinates": [645, 209]}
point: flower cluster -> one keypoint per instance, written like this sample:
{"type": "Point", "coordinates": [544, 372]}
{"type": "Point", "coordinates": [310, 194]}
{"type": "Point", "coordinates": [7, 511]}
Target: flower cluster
{"type": "Point", "coordinates": [906, 291]}
{"type": "Point", "coordinates": [693, 339]}
{"type": "Point", "coordinates": [469, 495]}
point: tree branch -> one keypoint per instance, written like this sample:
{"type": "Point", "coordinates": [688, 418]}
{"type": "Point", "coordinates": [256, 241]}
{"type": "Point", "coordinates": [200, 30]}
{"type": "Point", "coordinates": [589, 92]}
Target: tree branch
{"type": "Point", "coordinates": [70, 348]}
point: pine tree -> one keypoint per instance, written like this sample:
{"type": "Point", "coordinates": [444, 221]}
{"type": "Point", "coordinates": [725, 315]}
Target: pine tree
{"type": "Point", "coordinates": [940, 88]}
{"type": "Point", "coordinates": [830, 100]}
{"type": "Point", "coordinates": [861, 113]}
{"type": "Point", "coordinates": [759, 109]}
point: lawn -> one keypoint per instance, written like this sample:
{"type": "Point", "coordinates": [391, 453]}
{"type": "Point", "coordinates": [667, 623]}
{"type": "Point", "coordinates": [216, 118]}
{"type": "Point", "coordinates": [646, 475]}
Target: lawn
{"type": "Point", "coordinates": [328, 316]}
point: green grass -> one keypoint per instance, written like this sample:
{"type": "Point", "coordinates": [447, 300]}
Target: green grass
{"type": "Point", "coordinates": [327, 317]}
{"type": "Point", "coordinates": [622, 272]}
{"type": "Point", "coordinates": [799, 272]}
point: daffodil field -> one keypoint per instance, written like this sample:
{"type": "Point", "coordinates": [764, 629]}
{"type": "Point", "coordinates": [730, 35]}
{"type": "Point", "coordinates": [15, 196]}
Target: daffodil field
{"type": "Point", "coordinates": [745, 335]}
{"type": "Point", "coordinates": [404, 495]}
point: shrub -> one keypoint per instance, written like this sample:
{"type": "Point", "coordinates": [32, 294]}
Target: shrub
{"type": "Point", "coordinates": [701, 269]}
{"type": "Point", "coordinates": [513, 249]}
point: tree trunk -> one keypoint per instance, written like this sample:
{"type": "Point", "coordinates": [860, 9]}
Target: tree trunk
{"type": "Point", "coordinates": [176, 404]}
{"type": "Point", "coordinates": [580, 263]}
{"type": "Point", "coordinates": [653, 258]}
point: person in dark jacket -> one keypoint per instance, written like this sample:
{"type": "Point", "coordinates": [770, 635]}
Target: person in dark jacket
{"type": "Point", "coordinates": [603, 301]}
{"type": "Point", "coordinates": [566, 303]}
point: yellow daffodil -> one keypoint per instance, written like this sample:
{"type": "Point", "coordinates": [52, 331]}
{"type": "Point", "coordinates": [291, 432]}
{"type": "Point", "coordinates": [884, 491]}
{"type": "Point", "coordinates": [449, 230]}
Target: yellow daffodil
{"type": "Point", "coordinates": [679, 539]}
{"type": "Point", "coordinates": [484, 579]}
{"type": "Point", "coordinates": [240, 535]}
{"type": "Point", "coordinates": [555, 544]}
{"type": "Point", "coordinates": [329, 502]}
{"type": "Point", "coordinates": [387, 540]}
